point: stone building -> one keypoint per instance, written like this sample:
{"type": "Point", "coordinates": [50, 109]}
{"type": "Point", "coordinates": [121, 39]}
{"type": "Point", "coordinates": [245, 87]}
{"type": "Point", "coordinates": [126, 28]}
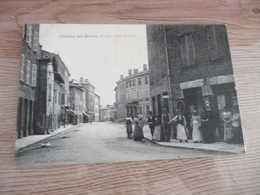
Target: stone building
{"type": "Point", "coordinates": [108, 113]}
{"type": "Point", "coordinates": [97, 108]}
{"type": "Point", "coordinates": [52, 93]}
{"type": "Point", "coordinates": [133, 94]}
{"type": "Point", "coordinates": [77, 103]}
{"type": "Point", "coordinates": [89, 97]}
{"type": "Point", "coordinates": [28, 81]}
{"type": "Point", "coordinates": [200, 68]}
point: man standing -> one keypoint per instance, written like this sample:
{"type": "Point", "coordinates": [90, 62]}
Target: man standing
{"type": "Point", "coordinates": [151, 122]}
{"type": "Point", "coordinates": [165, 126]}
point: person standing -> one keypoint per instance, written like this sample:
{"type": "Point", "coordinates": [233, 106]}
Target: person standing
{"type": "Point", "coordinates": [151, 122]}
{"type": "Point", "coordinates": [138, 131]}
{"type": "Point", "coordinates": [195, 125]}
{"type": "Point", "coordinates": [165, 126]}
{"type": "Point", "coordinates": [129, 129]}
{"type": "Point", "coordinates": [157, 128]}
{"type": "Point", "coordinates": [236, 127]}
{"type": "Point", "coordinates": [206, 126]}
{"type": "Point", "coordinates": [180, 122]}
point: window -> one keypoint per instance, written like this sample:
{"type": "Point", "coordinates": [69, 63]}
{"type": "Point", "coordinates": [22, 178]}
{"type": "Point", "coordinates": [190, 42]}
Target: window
{"type": "Point", "coordinates": [146, 79]}
{"type": "Point", "coordinates": [59, 99]}
{"type": "Point", "coordinates": [55, 96]}
{"type": "Point", "coordinates": [50, 92]}
{"type": "Point", "coordinates": [29, 34]}
{"type": "Point", "coordinates": [126, 85]}
{"type": "Point", "coordinates": [28, 72]}
{"type": "Point", "coordinates": [22, 68]}
{"type": "Point", "coordinates": [130, 83]}
{"type": "Point", "coordinates": [133, 82]}
{"type": "Point", "coordinates": [139, 81]}
{"type": "Point", "coordinates": [35, 41]}
{"type": "Point", "coordinates": [212, 43]}
{"type": "Point", "coordinates": [187, 50]}
{"type": "Point", "coordinates": [34, 75]}
{"type": "Point", "coordinates": [63, 99]}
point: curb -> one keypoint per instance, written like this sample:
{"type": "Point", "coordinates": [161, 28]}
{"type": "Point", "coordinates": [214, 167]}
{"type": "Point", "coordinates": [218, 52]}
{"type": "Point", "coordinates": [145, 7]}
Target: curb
{"type": "Point", "coordinates": [191, 148]}
{"type": "Point", "coordinates": [64, 131]}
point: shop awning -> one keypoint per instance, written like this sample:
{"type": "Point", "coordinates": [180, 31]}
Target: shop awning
{"type": "Point", "coordinates": [85, 113]}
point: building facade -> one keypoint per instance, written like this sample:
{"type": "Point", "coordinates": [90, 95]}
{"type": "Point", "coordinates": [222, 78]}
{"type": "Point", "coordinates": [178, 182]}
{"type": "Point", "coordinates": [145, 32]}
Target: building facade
{"type": "Point", "coordinates": [133, 94]}
{"type": "Point", "coordinates": [52, 93]}
{"type": "Point", "coordinates": [108, 113]}
{"type": "Point", "coordinates": [97, 108]}
{"type": "Point", "coordinates": [200, 67]}
{"type": "Point", "coordinates": [28, 81]}
{"type": "Point", "coordinates": [77, 103]}
{"type": "Point", "coordinates": [89, 98]}
{"type": "Point", "coordinates": [159, 69]}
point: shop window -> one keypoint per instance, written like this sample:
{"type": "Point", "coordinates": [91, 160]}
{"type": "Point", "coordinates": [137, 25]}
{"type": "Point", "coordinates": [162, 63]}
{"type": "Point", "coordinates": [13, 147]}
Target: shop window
{"type": "Point", "coordinates": [187, 50]}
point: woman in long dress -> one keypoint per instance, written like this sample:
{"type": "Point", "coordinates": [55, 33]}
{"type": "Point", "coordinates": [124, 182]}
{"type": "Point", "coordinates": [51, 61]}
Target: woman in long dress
{"type": "Point", "coordinates": [138, 131]}
{"type": "Point", "coordinates": [180, 122]}
{"type": "Point", "coordinates": [129, 129]}
{"type": "Point", "coordinates": [207, 127]}
{"type": "Point", "coordinates": [195, 124]}
{"type": "Point", "coordinates": [157, 129]}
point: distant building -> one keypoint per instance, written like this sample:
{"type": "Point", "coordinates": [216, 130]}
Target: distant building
{"type": "Point", "coordinates": [108, 113]}
{"type": "Point", "coordinates": [97, 108]}
{"type": "Point", "coordinates": [52, 93]}
{"type": "Point", "coordinates": [77, 103]}
{"type": "Point", "coordinates": [133, 93]}
{"type": "Point", "coordinates": [89, 97]}
{"type": "Point", "coordinates": [200, 68]}
{"type": "Point", "coordinates": [28, 81]}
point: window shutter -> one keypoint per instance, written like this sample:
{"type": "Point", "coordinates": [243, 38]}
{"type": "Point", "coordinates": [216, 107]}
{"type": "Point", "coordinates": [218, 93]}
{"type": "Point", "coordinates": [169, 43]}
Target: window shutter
{"type": "Point", "coordinates": [28, 72]}
{"type": "Point", "coordinates": [22, 68]}
{"type": "Point", "coordinates": [34, 74]}
{"type": "Point", "coordinates": [35, 41]}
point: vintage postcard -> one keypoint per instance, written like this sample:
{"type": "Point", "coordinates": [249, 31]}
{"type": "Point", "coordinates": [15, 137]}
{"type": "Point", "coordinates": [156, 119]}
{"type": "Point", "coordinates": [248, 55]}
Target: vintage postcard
{"type": "Point", "coordinates": [118, 93]}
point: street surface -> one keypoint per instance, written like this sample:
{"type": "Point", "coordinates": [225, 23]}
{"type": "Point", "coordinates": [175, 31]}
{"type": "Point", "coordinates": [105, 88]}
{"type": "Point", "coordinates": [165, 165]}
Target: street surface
{"type": "Point", "coordinates": [99, 142]}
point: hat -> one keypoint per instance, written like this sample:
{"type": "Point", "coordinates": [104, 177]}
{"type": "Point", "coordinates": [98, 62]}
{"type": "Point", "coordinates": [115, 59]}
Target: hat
{"type": "Point", "coordinates": [140, 116]}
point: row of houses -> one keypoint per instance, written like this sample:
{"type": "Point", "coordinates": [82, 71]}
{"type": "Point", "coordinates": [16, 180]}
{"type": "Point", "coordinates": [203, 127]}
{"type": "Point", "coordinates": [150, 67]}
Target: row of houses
{"type": "Point", "coordinates": [47, 99]}
{"type": "Point", "coordinates": [189, 67]}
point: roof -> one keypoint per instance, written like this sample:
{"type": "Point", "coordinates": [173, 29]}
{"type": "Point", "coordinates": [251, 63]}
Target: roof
{"type": "Point", "coordinates": [135, 75]}
{"type": "Point", "coordinates": [45, 55]}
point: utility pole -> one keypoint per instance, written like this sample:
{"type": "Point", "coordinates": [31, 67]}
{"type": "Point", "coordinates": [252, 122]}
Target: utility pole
{"type": "Point", "coordinates": [168, 74]}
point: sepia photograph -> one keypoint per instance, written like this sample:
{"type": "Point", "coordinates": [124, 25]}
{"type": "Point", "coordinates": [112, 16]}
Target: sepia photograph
{"type": "Point", "coordinates": [104, 93]}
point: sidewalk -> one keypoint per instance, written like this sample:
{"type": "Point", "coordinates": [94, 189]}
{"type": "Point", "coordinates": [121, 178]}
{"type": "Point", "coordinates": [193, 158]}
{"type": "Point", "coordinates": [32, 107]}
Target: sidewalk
{"type": "Point", "coordinates": [222, 147]}
{"type": "Point", "coordinates": [26, 141]}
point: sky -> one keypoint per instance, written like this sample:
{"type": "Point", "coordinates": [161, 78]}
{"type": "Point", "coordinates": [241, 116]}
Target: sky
{"type": "Point", "coordinates": [99, 53]}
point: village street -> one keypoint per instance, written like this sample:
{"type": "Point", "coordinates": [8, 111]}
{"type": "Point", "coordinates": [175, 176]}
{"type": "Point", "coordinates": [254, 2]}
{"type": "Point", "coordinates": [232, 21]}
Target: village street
{"type": "Point", "coordinates": [98, 142]}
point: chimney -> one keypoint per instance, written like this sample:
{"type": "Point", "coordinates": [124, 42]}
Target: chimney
{"type": "Point", "coordinates": [121, 77]}
{"type": "Point", "coordinates": [81, 79]}
{"type": "Point", "coordinates": [145, 66]}
{"type": "Point", "coordinates": [129, 72]}
{"type": "Point", "coordinates": [135, 71]}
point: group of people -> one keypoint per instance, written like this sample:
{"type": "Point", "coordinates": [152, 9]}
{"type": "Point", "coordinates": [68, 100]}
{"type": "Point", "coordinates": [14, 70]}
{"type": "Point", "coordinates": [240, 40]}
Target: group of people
{"type": "Point", "coordinates": [139, 123]}
{"type": "Point", "coordinates": [203, 130]}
